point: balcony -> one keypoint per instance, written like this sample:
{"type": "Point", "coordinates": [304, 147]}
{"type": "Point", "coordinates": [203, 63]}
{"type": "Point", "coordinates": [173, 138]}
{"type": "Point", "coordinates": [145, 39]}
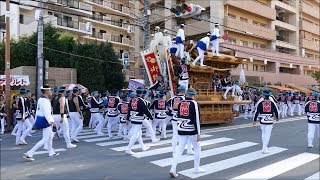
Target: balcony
{"type": "Point", "coordinates": [310, 27]}
{"type": "Point", "coordinates": [72, 6]}
{"type": "Point", "coordinates": [192, 29]}
{"type": "Point", "coordinates": [68, 25]}
{"type": "Point", "coordinates": [157, 16]}
{"type": "Point", "coordinates": [118, 9]}
{"type": "Point", "coordinates": [285, 25]}
{"type": "Point", "coordinates": [285, 4]}
{"type": "Point", "coordinates": [253, 7]}
{"type": "Point", "coordinates": [115, 40]}
{"type": "Point", "coordinates": [312, 11]}
{"type": "Point", "coordinates": [263, 32]}
{"type": "Point", "coordinates": [307, 44]}
{"type": "Point", "coordinates": [283, 43]}
{"type": "Point", "coordinates": [107, 21]}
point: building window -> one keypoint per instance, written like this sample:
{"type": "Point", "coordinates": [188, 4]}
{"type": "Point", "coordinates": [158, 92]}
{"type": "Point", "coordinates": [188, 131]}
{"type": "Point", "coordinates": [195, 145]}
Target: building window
{"type": "Point", "coordinates": [116, 38]}
{"type": "Point", "coordinates": [232, 41]}
{"type": "Point", "coordinates": [116, 6]}
{"type": "Point", "coordinates": [263, 68]}
{"type": "Point", "coordinates": [50, 13]}
{"type": "Point", "coordinates": [21, 19]}
{"type": "Point", "coordinates": [255, 68]}
{"type": "Point", "coordinates": [243, 19]}
{"type": "Point", "coordinates": [232, 16]}
{"type": "Point", "coordinates": [244, 43]}
{"type": "Point", "coordinates": [245, 67]}
{"type": "Point", "coordinates": [309, 55]}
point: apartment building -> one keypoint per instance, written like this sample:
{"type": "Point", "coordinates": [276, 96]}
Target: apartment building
{"type": "Point", "coordinates": [110, 21]}
{"type": "Point", "coordinates": [279, 39]}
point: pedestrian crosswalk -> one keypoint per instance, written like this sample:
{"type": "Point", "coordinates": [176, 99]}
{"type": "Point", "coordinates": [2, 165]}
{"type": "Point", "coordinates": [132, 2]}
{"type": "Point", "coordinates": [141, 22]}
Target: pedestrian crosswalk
{"type": "Point", "coordinates": [243, 154]}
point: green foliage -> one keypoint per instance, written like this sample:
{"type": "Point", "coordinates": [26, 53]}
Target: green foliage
{"type": "Point", "coordinates": [316, 76]}
{"type": "Point", "coordinates": [99, 71]}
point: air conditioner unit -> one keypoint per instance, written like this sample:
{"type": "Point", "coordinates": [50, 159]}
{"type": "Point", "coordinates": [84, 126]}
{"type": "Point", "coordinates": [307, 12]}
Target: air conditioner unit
{"type": "Point", "coordinates": [130, 29]}
{"type": "Point", "coordinates": [88, 27]}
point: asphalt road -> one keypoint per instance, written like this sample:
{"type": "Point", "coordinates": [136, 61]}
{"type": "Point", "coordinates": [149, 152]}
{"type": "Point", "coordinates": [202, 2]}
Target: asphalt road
{"type": "Point", "coordinates": [228, 151]}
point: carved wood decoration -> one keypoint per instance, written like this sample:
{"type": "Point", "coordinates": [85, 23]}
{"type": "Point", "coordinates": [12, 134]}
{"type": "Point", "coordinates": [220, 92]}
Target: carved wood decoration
{"type": "Point", "coordinates": [213, 108]}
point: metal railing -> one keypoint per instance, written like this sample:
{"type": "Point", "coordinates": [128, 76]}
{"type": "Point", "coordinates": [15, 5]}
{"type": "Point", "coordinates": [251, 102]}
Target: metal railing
{"type": "Point", "coordinates": [67, 23]}
{"type": "Point", "coordinates": [97, 1]}
{"type": "Point", "coordinates": [289, 2]}
{"type": "Point", "coordinates": [70, 3]}
{"type": "Point", "coordinates": [98, 35]}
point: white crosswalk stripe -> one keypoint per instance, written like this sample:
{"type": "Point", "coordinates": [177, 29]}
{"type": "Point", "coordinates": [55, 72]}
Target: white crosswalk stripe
{"type": "Point", "coordinates": [162, 142]}
{"type": "Point", "coordinates": [161, 154]}
{"type": "Point", "coordinates": [206, 153]}
{"type": "Point", "coordinates": [169, 149]}
{"type": "Point", "coordinates": [46, 152]}
{"type": "Point", "coordinates": [229, 163]}
{"type": "Point", "coordinates": [315, 176]}
{"type": "Point", "coordinates": [280, 167]}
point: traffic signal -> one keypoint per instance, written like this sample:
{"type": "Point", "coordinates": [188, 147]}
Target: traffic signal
{"type": "Point", "coordinates": [125, 58]}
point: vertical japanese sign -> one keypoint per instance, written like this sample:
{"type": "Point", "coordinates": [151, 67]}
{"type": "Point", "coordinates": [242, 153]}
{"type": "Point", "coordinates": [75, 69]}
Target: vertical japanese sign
{"type": "Point", "coordinates": [152, 66]}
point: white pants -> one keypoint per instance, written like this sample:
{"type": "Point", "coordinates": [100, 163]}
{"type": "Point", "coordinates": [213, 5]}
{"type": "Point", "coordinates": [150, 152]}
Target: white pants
{"type": "Point", "coordinates": [46, 138]}
{"type": "Point", "coordinates": [146, 123]}
{"type": "Point", "coordinates": [77, 124]}
{"type": "Point", "coordinates": [65, 127]}
{"type": "Point", "coordinates": [23, 130]}
{"type": "Point", "coordinates": [101, 122]}
{"type": "Point", "coordinates": [200, 57]}
{"type": "Point", "coordinates": [136, 134]}
{"type": "Point", "coordinates": [266, 133]}
{"type": "Point", "coordinates": [123, 128]}
{"type": "Point", "coordinates": [175, 138]}
{"type": "Point", "coordinates": [246, 110]}
{"type": "Point", "coordinates": [2, 125]}
{"type": "Point", "coordinates": [91, 120]}
{"type": "Point", "coordinates": [183, 140]}
{"type": "Point", "coordinates": [162, 124]}
{"type": "Point", "coordinates": [312, 128]}
{"type": "Point", "coordinates": [251, 109]}
{"type": "Point", "coordinates": [302, 108]}
{"type": "Point", "coordinates": [284, 110]}
{"type": "Point", "coordinates": [184, 83]}
{"type": "Point", "coordinates": [180, 50]}
{"type": "Point", "coordinates": [32, 120]}
{"type": "Point", "coordinates": [295, 107]}
{"type": "Point", "coordinates": [290, 108]}
{"type": "Point", "coordinates": [111, 122]}
{"type": "Point", "coordinates": [215, 46]}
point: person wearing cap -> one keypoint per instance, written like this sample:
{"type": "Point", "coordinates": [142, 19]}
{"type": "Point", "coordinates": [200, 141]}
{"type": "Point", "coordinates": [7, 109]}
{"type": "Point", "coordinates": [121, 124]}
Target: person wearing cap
{"type": "Point", "coordinates": [290, 102]}
{"type": "Point", "coordinates": [202, 46]}
{"type": "Point", "coordinates": [183, 73]}
{"type": "Point", "coordinates": [24, 125]}
{"type": "Point", "coordinates": [60, 112]}
{"type": "Point", "coordinates": [122, 109]}
{"type": "Point", "coordinates": [75, 115]}
{"type": "Point", "coordinates": [136, 112]}
{"type": "Point", "coordinates": [283, 104]}
{"type": "Point", "coordinates": [266, 112]}
{"type": "Point", "coordinates": [147, 122]}
{"type": "Point", "coordinates": [95, 112]}
{"type": "Point", "coordinates": [112, 113]}
{"type": "Point", "coordinates": [44, 121]}
{"type": "Point", "coordinates": [312, 109]}
{"type": "Point", "coordinates": [188, 117]}
{"type": "Point", "coordinates": [180, 38]}
{"type": "Point", "coordinates": [214, 39]}
{"type": "Point", "coordinates": [159, 107]}
{"type": "Point", "coordinates": [295, 104]}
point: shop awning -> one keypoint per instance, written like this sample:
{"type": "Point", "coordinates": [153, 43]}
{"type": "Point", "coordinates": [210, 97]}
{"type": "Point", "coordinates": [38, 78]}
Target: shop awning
{"type": "Point", "coordinates": [15, 80]}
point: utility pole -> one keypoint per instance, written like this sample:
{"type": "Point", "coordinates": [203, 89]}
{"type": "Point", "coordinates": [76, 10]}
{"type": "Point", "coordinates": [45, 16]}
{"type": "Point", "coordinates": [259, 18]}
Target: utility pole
{"type": "Point", "coordinates": [146, 26]}
{"type": "Point", "coordinates": [146, 35]}
{"type": "Point", "coordinates": [40, 50]}
{"type": "Point", "coordinates": [7, 65]}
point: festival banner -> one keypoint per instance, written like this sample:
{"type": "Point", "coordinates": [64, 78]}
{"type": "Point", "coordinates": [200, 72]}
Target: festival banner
{"type": "Point", "coordinates": [15, 80]}
{"type": "Point", "coordinates": [133, 85]}
{"type": "Point", "coordinates": [152, 66]}
{"type": "Point", "coordinates": [171, 76]}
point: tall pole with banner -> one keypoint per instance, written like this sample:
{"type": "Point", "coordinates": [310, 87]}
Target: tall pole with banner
{"type": "Point", "coordinates": [7, 65]}
{"type": "Point", "coordinates": [40, 50]}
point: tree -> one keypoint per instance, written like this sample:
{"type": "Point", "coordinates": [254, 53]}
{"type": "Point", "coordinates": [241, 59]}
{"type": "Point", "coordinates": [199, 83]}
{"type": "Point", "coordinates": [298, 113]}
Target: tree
{"type": "Point", "coordinates": [316, 76]}
{"type": "Point", "coordinates": [98, 67]}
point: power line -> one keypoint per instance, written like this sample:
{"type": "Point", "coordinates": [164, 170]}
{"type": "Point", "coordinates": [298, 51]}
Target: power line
{"type": "Point", "coordinates": [76, 55]}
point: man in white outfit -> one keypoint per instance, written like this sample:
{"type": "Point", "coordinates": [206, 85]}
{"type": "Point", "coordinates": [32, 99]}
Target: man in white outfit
{"type": "Point", "coordinates": [214, 39]}
{"type": "Point", "coordinates": [44, 121]}
{"type": "Point", "coordinates": [180, 38]}
{"type": "Point", "coordinates": [188, 117]}
{"type": "Point", "coordinates": [202, 46]}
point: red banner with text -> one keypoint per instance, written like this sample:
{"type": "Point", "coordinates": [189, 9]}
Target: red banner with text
{"type": "Point", "coordinates": [151, 65]}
